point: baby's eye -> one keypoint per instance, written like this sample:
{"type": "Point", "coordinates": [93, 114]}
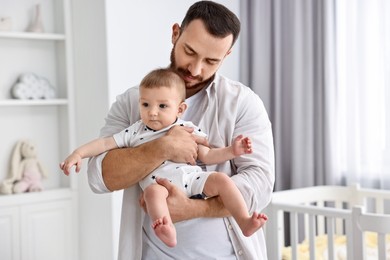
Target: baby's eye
{"type": "Point", "coordinates": [145, 104]}
{"type": "Point", "coordinates": [163, 106]}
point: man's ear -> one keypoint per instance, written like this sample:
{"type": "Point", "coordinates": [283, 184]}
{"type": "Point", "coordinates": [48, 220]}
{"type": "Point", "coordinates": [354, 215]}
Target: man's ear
{"type": "Point", "coordinates": [175, 32]}
{"type": "Point", "coordinates": [229, 51]}
{"type": "Point", "coordinates": [182, 107]}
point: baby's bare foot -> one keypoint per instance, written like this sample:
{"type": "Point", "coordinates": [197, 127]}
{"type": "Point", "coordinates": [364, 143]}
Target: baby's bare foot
{"type": "Point", "coordinates": [165, 230]}
{"type": "Point", "coordinates": [254, 223]}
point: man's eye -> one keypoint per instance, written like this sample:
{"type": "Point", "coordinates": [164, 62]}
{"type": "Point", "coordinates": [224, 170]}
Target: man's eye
{"type": "Point", "coordinates": [163, 106]}
{"type": "Point", "coordinates": [188, 52]}
{"type": "Point", "coordinates": [212, 62]}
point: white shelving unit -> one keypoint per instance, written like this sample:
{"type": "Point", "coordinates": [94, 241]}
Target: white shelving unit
{"type": "Point", "coordinates": [39, 225]}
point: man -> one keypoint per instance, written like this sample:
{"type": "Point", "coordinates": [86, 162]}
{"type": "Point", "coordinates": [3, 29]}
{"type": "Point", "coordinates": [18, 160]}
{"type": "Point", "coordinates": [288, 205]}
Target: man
{"type": "Point", "coordinates": [222, 108]}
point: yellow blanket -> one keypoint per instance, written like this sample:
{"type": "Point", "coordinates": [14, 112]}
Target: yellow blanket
{"type": "Point", "coordinates": [321, 244]}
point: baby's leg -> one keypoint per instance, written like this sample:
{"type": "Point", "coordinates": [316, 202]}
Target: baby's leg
{"type": "Point", "coordinates": [220, 184]}
{"type": "Point", "coordinates": [155, 197]}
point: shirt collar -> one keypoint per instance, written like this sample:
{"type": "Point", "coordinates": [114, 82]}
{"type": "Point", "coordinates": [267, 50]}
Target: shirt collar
{"type": "Point", "coordinates": [212, 85]}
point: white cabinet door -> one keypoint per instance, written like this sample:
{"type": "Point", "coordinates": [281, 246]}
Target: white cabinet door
{"type": "Point", "coordinates": [47, 231]}
{"type": "Point", "coordinates": [9, 233]}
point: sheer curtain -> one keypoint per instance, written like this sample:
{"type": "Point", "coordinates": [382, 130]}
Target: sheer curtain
{"type": "Point", "coordinates": [322, 69]}
{"type": "Point", "coordinates": [362, 103]}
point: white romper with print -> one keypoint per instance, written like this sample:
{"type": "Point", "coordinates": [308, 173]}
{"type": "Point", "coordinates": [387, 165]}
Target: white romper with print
{"type": "Point", "coordinates": [190, 178]}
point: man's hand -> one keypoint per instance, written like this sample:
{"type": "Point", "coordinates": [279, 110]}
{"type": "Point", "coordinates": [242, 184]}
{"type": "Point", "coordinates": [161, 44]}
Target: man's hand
{"type": "Point", "coordinates": [181, 145]}
{"type": "Point", "coordinates": [179, 204]}
{"type": "Point", "coordinates": [183, 208]}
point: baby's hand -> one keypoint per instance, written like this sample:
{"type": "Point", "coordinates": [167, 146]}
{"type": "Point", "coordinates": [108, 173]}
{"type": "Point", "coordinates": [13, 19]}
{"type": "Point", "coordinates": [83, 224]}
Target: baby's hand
{"type": "Point", "coordinates": [242, 145]}
{"type": "Point", "coordinates": [73, 159]}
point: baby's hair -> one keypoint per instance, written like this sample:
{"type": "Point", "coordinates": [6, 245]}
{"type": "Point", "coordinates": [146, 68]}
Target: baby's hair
{"type": "Point", "coordinates": [164, 77]}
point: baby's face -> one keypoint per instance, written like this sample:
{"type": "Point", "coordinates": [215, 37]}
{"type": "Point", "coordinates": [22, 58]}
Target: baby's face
{"type": "Point", "coordinates": [159, 107]}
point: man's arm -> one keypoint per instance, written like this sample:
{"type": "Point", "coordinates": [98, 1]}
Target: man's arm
{"type": "Point", "coordinates": [191, 208]}
{"type": "Point", "coordinates": [122, 168]}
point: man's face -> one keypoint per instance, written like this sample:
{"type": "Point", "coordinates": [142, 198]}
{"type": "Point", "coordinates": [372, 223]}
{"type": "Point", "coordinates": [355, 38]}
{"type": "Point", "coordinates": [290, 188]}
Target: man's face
{"type": "Point", "coordinates": [197, 55]}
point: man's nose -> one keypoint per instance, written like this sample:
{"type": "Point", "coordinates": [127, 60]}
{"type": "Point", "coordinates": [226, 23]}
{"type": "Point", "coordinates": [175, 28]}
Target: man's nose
{"type": "Point", "coordinates": [195, 68]}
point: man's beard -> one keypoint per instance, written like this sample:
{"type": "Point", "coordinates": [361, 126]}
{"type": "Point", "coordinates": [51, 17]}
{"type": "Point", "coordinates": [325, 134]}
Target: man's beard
{"type": "Point", "coordinates": [184, 72]}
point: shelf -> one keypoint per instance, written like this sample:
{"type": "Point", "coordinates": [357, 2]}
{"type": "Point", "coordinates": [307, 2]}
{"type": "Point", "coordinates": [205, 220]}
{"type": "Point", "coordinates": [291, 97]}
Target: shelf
{"type": "Point", "coordinates": [41, 102]}
{"type": "Point", "coordinates": [38, 225]}
{"type": "Point", "coordinates": [35, 197]}
{"type": "Point", "coordinates": [32, 36]}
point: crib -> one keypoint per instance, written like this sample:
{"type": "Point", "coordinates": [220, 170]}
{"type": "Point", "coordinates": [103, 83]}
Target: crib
{"type": "Point", "coordinates": [329, 222]}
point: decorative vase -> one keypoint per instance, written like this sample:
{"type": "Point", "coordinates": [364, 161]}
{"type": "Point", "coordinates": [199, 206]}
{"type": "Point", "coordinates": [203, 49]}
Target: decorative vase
{"type": "Point", "coordinates": [36, 24]}
{"type": "Point", "coordinates": [5, 24]}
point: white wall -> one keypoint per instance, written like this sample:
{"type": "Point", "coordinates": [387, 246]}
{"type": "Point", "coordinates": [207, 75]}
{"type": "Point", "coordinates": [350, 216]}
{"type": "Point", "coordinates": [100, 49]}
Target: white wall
{"type": "Point", "coordinates": [96, 230]}
{"type": "Point", "coordinates": [116, 43]}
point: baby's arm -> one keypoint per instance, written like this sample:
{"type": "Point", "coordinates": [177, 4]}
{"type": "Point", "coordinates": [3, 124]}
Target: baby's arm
{"type": "Point", "coordinates": [90, 149]}
{"type": "Point", "coordinates": [241, 145]}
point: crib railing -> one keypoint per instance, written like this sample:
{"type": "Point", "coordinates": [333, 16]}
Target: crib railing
{"type": "Point", "coordinates": [374, 222]}
{"type": "Point", "coordinates": [324, 210]}
{"type": "Point", "coordinates": [330, 216]}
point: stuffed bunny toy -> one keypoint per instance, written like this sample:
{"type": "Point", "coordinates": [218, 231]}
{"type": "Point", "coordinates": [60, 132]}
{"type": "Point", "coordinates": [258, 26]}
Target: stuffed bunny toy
{"type": "Point", "coordinates": [26, 170]}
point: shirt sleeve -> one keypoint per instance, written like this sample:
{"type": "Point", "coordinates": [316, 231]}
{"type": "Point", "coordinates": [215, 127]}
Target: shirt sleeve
{"type": "Point", "coordinates": [122, 113]}
{"type": "Point", "coordinates": [255, 172]}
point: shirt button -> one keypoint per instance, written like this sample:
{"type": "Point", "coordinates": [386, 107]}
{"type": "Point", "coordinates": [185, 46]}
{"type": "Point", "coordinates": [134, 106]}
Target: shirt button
{"type": "Point", "coordinates": [230, 226]}
{"type": "Point", "coordinates": [240, 252]}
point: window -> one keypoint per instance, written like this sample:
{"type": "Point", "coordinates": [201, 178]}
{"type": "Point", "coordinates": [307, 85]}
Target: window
{"type": "Point", "coordinates": [362, 106]}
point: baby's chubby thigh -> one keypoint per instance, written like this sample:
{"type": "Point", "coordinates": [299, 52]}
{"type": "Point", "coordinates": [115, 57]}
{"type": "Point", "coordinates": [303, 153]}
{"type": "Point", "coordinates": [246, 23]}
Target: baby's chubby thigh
{"type": "Point", "coordinates": [189, 178]}
{"type": "Point", "coordinates": [193, 179]}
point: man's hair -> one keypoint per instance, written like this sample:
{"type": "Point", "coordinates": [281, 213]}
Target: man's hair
{"type": "Point", "coordinates": [218, 20]}
{"type": "Point", "coordinates": [164, 77]}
